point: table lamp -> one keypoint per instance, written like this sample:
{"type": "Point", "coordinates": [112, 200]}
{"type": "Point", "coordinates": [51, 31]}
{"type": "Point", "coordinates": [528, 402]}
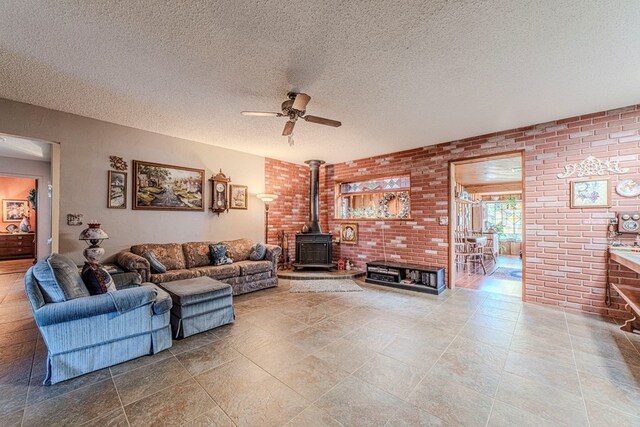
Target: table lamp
{"type": "Point", "coordinates": [93, 235]}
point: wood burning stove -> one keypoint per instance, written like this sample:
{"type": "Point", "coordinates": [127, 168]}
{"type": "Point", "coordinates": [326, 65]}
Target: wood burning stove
{"type": "Point", "coordinates": [313, 247]}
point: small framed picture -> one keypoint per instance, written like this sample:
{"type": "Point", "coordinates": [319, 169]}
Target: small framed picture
{"type": "Point", "coordinates": [590, 193]}
{"type": "Point", "coordinates": [117, 193]}
{"type": "Point", "coordinates": [14, 210]}
{"type": "Point", "coordinates": [238, 196]}
{"type": "Point", "coordinates": [349, 233]}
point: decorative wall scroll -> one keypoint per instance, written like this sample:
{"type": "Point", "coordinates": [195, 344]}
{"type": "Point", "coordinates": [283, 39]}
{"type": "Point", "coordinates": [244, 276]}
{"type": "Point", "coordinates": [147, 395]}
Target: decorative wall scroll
{"type": "Point", "coordinates": [591, 166]}
{"type": "Point", "coordinates": [118, 163]}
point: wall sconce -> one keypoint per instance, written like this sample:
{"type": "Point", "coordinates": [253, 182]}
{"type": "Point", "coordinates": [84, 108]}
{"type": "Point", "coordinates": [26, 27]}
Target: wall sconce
{"type": "Point", "coordinates": [266, 199]}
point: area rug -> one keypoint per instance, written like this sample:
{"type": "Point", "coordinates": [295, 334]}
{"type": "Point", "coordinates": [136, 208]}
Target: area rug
{"type": "Point", "coordinates": [504, 273]}
{"type": "Point", "coordinates": [328, 285]}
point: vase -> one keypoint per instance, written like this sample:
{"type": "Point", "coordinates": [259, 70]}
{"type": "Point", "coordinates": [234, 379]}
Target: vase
{"type": "Point", "coordinates": [25, 225]}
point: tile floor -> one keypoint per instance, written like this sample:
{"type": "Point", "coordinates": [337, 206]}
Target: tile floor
{"type": "Point", "coordinates": [379, 357]}
{"type": "Point", "coordinates": [476, 279]}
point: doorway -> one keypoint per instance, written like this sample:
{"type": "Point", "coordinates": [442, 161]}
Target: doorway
{"type": "Point", "coordinates": [487, 226]}
{"type": "Point", "coordinates": [29, 172]}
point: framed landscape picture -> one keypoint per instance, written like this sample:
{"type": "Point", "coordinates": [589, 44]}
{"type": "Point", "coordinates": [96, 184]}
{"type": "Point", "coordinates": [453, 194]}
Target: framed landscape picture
{"type": "Point", "coordinates": [166, 187]}
{"type": "Point", "coordinates": [13, 210]}
{"type": "Point", "coordinates": [117, 193]}
{"type": "Point", "coordinates": [238, 194]}
{"type": "Point", "coordinates": [590, 193]}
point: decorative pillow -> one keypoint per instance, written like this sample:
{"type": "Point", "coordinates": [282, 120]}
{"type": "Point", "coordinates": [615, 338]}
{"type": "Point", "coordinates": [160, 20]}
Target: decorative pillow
{"type": "Point", "coordinates": [219, 254]}
{"type": "Point", "coordinates": [59, 279]}
{"type": "Point", "coordinates": [258, 252]}
{"type": "Point", "coordinates": [126, 280]}
{"type": "Point", "coordinates": [97, 279]}
{"type": "Point", "coordinates": [156, 266]}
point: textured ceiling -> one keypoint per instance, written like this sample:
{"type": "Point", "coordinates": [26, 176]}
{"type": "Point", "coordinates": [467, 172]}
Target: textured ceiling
{"type": "Point", "coordinates": [398, 74]}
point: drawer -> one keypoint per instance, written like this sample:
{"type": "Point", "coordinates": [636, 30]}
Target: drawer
{"type": "Point", "coordinates": [15, 244]}
{"type": "Point", "coordinates": [10, 252]}
{"type": "Point", "coordinates": [17, 238]}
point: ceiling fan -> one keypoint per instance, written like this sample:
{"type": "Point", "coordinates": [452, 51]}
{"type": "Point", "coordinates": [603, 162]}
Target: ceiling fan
{"type": "Point", "coordinates": [294, 108]}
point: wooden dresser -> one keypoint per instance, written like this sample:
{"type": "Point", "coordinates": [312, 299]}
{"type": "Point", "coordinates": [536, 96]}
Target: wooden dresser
{"type": "Point", "coordinates": [14, 246]}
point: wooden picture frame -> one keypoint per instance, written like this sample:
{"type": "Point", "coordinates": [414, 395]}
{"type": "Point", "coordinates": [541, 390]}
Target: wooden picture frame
{"type": "Point", "coordinates": [13, 210]}
{"type": "Point", "coordinates": [117, 190]}
{"type": "Point", "coordinates": [238, 196]}
{"type": "Point", "coordinates": [590, 193]}
{"type": "Point", "coordinates": [349, 233]}
{"type": "Point", "coordinates": [163, 187]}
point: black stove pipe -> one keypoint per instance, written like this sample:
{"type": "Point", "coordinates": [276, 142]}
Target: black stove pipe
{"type": "Point", "coordinates": [313, 226]}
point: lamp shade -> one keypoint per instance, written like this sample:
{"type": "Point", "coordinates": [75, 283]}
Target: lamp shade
{"type": "Point", "coordinates": [266, 197]}
{"type": "Point", "coordinates": [94, 232]}
{"type": "Point", "coordinates": [94, 235]}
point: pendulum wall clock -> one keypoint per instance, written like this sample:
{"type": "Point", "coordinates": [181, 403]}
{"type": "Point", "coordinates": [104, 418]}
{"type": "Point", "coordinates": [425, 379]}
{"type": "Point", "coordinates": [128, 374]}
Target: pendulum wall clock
{"type": "Point", "coordinates": [219, 193]}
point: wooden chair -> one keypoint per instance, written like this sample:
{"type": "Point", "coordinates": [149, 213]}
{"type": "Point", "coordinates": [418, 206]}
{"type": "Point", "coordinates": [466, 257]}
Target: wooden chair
{"type": "Point", "coordinates": [488, 248]}
{"type": "Point", "coordinates": [476, 255]}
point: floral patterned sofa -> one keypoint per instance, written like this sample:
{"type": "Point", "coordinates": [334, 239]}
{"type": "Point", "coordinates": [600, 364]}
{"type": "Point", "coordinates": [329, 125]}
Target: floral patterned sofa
{"type": "Point", "coordinates": [189, 260]}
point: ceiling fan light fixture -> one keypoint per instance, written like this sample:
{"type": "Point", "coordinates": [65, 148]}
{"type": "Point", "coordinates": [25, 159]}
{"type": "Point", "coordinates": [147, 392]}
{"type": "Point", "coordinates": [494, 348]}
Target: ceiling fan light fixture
{"type": "Point", "coordinates": [300, 102]}
{"type": "Point", "coordinates": [294, 108]}
{"type": "Point", "coordinates": [290, 140]}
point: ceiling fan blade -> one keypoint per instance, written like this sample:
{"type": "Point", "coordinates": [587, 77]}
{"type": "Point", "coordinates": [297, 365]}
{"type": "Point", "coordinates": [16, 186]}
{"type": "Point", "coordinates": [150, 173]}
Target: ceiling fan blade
{"type": "Point", "coordinates": [323, 121]}
{"type": "Point", "coordinates": [288, 128]}
{"type": "Point", "coordinates": [301, 101]}
{"type": "Point", "coordinates": [260, 113]}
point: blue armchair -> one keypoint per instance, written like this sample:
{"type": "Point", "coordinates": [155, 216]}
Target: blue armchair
{"type": "Point", "coordinates": [89, 333]}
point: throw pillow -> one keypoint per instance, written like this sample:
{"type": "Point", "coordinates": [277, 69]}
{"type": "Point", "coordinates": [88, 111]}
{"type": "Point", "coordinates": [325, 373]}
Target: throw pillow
{"type": "Point", "coordinates": [219, 254]}
{"type": "Point", "coordinates": [97, 279]}
{"type": "Point", "coordinates": [59, 279]}
{"type": "Point", "coordinates": [258, 252]}
{"type": "Point", "coordinates": [156, 266]}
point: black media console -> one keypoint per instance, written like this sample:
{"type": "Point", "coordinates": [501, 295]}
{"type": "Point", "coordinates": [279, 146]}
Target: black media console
{"type": "Point", "coordinates": [422, 278]}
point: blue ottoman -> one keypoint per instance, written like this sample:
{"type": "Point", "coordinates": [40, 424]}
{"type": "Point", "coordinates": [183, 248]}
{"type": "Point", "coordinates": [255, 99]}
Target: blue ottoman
{"type": "Point", "coordinates": [199, 304]}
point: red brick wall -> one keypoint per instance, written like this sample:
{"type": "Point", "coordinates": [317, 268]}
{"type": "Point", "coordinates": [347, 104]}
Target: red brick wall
{"type": "Point", "coordinates": [565, 248]}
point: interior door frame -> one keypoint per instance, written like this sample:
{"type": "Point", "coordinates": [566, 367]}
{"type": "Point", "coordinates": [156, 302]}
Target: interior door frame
{"type": "Point", "coordinates": [52, 189]}
{"type": "Point", "coordinates": [451, 276]}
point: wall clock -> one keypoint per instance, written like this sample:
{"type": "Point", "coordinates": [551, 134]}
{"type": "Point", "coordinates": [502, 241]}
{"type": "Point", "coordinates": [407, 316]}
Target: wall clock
{"type": "Point", "coordinates": [219, 193]}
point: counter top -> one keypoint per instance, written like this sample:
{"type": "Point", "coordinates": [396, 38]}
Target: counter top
{"type": "Point", "coordinates": [629, 259]}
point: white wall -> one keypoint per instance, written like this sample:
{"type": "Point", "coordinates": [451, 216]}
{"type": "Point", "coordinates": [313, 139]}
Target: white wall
{"type": "Point", "coordinates": [86, 145]}
{"type": "Point", "coordinates": [42, 172]}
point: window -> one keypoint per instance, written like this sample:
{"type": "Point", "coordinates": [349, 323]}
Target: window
{"type": "Point", "coordinates": [380, 198]}
{"type": "Point", "coordinates": [505, 217]}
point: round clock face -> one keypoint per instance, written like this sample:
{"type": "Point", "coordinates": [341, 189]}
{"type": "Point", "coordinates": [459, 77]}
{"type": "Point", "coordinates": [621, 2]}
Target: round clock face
{"type": "Point", "coordinates": [630, 226]}
{"type": "Point", "coordinates": [220, 187]}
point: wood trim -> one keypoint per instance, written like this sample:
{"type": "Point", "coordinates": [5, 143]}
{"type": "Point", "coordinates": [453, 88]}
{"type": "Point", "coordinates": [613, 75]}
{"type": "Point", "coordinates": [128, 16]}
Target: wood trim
{"type": "Point", "coordinates": [359, 178]}
{"type": "Point", "coordinates": [452, 164]}
{"type": "Point", "coordinates": [503, 187]}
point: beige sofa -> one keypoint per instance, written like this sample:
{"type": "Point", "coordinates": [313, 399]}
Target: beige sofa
{"type": "Point", "coordinates": [189, 260]}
